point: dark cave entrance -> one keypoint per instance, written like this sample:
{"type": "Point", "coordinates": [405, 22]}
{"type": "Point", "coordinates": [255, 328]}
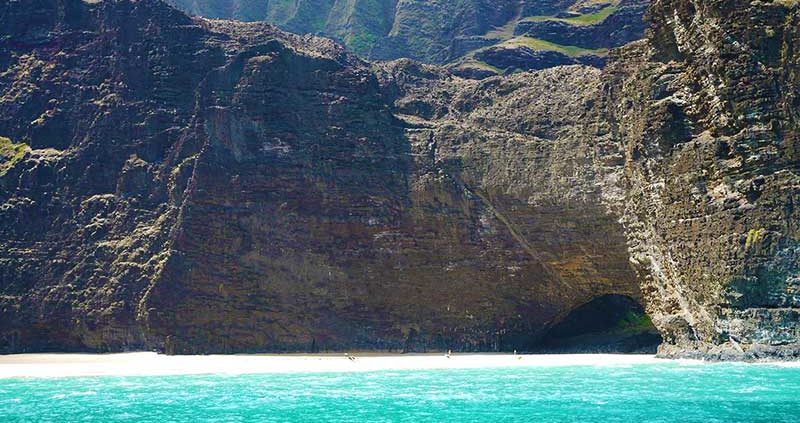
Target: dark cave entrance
{"type": "Point", "coordinates": [607, 324]}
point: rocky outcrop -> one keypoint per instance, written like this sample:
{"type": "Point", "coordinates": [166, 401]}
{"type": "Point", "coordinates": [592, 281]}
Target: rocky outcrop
{"type": "Point", "coordinates": [407, 234]}
{"type": "Point", "coordinates": [523, 58]}
{"type": "Point", "coordinates": [706, 116]}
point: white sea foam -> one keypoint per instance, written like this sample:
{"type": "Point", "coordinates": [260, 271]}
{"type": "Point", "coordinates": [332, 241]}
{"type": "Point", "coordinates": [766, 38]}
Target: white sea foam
{"type": "Point", "coordinates": [751, 389]}
{"type": "Point", "coordinates": [152, 364]}
{"type": "Point", "coordinates": [73, 394]}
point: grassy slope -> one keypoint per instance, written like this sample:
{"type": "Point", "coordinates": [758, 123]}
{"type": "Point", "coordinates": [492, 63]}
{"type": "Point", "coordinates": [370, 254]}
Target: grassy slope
{"type": "Point", "coordinates": [504, 35]}
{"type": "Point", "coordinates": [537, 44]}
{"type": "Point", "coordinates": [582, 20]}
{"type": "Point", "coordinates": [10, 154]}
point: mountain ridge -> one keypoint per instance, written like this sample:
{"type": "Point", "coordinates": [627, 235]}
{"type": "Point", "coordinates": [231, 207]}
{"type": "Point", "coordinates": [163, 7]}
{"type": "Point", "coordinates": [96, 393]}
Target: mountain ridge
{"type": "Point", "coordinates": [455, 33]}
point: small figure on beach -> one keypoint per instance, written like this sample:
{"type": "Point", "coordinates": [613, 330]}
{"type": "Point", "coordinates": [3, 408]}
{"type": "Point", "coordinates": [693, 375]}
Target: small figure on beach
{"type": "Point", "coordinates": [350, 357]}
{"type": "Point", "coordinates": [449, 352]}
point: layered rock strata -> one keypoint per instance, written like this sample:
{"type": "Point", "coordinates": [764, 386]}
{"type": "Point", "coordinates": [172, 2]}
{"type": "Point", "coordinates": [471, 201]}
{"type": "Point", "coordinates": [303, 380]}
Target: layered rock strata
{"type": "Point", "coordinates": [206, 186]}
{"type": "Point", "coordinates": [705, 113]}
{"type": "Point", "coordinates": [199, 186]}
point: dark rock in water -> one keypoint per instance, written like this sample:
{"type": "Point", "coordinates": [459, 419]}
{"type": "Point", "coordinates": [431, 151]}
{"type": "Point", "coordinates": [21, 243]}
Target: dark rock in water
{"type": "Point", "coordinates": [201, 186]}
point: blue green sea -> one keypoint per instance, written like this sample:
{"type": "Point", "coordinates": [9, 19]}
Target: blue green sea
{"type": "Point", "coordinates": [664, 392]}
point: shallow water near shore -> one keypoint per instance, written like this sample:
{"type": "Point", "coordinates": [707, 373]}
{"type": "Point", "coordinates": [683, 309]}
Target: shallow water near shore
{"type": "Point", "coordinates": [665, 391]}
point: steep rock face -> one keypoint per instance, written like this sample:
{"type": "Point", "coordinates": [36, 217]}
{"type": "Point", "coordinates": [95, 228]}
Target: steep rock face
{"type": "Point", "coordinates": [364, 231]}
{"type": "Point", "coordinates": [98, 94]}
{"type": "Point", "coordinates": [207, 186]}
{"type": "Point", "coordinates": [706, 116]}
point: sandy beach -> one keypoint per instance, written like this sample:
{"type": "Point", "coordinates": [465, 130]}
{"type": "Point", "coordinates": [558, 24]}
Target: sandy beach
{"type": "Point", "coordinates": [152, 364]}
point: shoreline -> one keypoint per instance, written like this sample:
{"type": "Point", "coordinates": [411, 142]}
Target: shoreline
{"type": "Point", "coordinates": [50, 365]}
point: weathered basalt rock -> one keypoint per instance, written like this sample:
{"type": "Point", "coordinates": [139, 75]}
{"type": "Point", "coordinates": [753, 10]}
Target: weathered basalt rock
{"type": "Point", "coordinates": [706, 115]}
{"type": "Point", "coordinates": [202, 186]}
{"type": "Point", "coordinates": [224, 187]}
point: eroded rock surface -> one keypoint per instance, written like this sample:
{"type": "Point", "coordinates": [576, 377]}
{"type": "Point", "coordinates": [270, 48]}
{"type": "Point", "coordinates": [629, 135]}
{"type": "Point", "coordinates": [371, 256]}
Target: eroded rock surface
{"type": "Point", "coordinates": [199, 186]}
{"type": "Point", "coordinates": [706, 114]}
{"type": "Point", "coordinates": [207, 186]}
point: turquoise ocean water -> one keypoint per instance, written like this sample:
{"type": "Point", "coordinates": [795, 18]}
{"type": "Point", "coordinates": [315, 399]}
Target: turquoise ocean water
{"type": "Point", "coordinates": [668, 392]}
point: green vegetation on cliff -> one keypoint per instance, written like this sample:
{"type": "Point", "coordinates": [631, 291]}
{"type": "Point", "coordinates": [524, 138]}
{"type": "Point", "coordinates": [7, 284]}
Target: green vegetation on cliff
{"type": "Point", "coordinates": [10, 154]}
{"type": "Point", "coordinates": [587, 19]}
{"type": "Point", "coordinates": [753, 237]}
{"type": "Point", "coordinates": [538, 44]}
{"type": "Point", "coordinates": [635, 323]}
{"type": "Point", "coordinates": [477, 64]}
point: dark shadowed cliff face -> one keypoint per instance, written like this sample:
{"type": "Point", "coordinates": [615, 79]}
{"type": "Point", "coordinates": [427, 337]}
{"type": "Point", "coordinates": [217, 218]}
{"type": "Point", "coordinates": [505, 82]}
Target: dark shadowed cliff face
{"type": "Point", "coordinates": [98, 96]}
{"type": "Point", "coordinates": [319, 218]}
{"type": "Point", "coordinates": [706, 115]}
{"type": "Point", "coordinates": [208, 186]}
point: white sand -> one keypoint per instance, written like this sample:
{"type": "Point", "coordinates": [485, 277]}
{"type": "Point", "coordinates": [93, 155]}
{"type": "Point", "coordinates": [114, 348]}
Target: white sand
{"type": "Point", "coordinates": [152, 364]}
